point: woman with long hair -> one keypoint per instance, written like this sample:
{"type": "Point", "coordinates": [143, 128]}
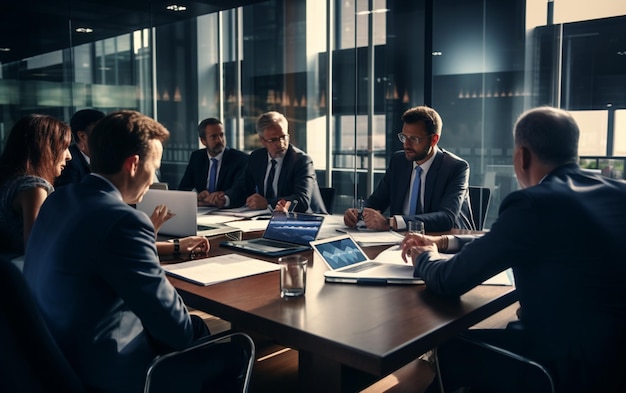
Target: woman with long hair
{"type": "Point", "coordinates": [34, 154]}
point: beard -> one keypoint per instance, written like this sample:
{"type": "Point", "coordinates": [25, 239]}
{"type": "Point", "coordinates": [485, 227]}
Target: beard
{"type": "Point", "coordinates": [217, 149]}
{"type": "Point", "coordinates": [414, 155]}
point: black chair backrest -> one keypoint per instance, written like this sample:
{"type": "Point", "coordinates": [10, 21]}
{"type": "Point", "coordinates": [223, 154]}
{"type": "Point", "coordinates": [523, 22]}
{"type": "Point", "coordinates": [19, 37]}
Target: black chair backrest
{"type": "Point", "coordinates": [479, 200]}
{"type": "Point", "coordinates": [328, 196]}
{"type": "Point", "coordinates": [200, 367]}
{"type": "Point", "coordinates": [30, 360]}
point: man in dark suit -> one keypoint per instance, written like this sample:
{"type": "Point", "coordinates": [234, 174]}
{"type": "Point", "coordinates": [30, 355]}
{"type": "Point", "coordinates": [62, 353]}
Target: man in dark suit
{"type": "Point", "coordinates": [81, 123]}
{"type": "Point", "coordinates": [422, 182]}
{"type": "Point", "coordinates": [214, 168]}
{"type": "Point", "coordinates": [93, 267]}
{"type": "Point", "coordinates": [563, 235]}
{"type": "Point", "coordinates": [276, 173]}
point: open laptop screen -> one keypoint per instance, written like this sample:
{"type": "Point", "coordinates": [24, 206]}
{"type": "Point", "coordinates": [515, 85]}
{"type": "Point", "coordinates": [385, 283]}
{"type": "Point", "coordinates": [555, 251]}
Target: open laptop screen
{"type": "Point", "coordinates": [341, 252]}
{"type": "Point", "coordinates": [299, 228]}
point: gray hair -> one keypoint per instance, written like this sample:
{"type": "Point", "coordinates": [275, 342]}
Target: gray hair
{"type": "Point", "coordinates": [269, 119]}
{"type": "Point", "coordinates": [551, 133]}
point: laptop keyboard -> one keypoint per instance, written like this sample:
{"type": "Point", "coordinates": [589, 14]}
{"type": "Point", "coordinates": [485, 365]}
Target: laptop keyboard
{"type": "Point", "coordinates": [272, 243]}
{"type": "Point", "coordinates": [359, 268]}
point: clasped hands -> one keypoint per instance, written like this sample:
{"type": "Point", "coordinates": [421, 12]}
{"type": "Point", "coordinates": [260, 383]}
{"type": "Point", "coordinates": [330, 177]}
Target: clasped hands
{"type": "Point", "coordinates": [372, 218]}
{"type": "Point", "coordinates": [254, 202]}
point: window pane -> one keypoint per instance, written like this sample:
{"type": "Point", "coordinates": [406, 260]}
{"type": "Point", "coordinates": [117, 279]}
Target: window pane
{"type": "Point", "coordinates": [593, 129]}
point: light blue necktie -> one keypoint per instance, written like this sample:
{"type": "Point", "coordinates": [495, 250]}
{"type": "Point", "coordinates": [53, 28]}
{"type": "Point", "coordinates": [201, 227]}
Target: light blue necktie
{"type": "Point", "coordinates": [415, 192]}
{"type": "Point", "coordinates": [212, 175]}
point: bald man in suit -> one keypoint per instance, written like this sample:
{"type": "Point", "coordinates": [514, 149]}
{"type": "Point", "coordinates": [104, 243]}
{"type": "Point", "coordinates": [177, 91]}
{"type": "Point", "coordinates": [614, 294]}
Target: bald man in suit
{"type": "Point", "coordinates": [562, 234]}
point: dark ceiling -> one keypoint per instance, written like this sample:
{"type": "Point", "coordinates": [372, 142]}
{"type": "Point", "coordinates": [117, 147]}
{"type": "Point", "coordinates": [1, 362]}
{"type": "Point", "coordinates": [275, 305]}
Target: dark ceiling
{"type": "Point", "coordinates": [32, 27]}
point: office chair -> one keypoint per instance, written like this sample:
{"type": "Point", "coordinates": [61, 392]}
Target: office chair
{"type": "Point", "coordinates": [536, 377]}
{"type": "Point", "coordinates": [30, 360]}
{"type": "Point", "coordinates": [179, 371]}
{"type": "Point", "coordinates": [328, 196]}
{"type": "Point", "coordinates": [479, 201]}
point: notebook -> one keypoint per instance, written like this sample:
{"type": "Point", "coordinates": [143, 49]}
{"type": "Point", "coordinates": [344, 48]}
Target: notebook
{"type": "Point", "coordinates": [286, 233]}
{"type": "Point", "coordinates": [349, 264]}
{"type": "Point", "coordinates": [184, 205]}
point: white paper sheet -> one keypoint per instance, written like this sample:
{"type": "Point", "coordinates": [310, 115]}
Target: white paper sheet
{"type": "Point", "coordinates": [249, 225]}
{"type": "Point", "coordinates": [222, 268]}
{"type": "Point", "coordinates": [394, 255]}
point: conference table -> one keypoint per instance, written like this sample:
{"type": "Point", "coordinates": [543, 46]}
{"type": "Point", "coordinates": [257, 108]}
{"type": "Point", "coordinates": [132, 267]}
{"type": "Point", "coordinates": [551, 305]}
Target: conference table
{"type": "Point", "coordinates": [337, 328]}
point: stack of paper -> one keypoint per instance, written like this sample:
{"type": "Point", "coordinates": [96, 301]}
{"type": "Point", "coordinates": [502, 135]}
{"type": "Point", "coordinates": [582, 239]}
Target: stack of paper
{"type": "Point", "coordinates": [367, 238]}
{"type": "Point", "coordinates": [243, 212]}
{"type": "Point", "coordinates": [213, 270]}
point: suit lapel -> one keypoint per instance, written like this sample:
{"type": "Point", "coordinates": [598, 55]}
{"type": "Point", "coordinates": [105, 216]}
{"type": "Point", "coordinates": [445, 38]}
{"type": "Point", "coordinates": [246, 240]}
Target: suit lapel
{"type": "Point", "coordinates": [431, 179]}
{"type": "Point", "coordinates": [223, 172]}
{"type": "Point", "coordinates": [404, 180]}
{"type": "Point", "coordinates": [285, 168]}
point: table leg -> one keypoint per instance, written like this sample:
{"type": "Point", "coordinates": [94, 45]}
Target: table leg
{"type": "Point", "coordinates": [318, 374]}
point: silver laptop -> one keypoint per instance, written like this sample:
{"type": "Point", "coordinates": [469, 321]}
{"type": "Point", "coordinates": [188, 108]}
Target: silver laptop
{"type": "Point", "coordinates": [349, 264]}
{"type": "Point", "coordinates": [286, 233]}
{"type": "Point", "coordinates": [185, 221]}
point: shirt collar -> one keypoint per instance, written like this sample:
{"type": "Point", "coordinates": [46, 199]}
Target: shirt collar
{"type": "Point", "coordinates": [427, 164]}
{"type": "Point", "coordinates": [217, 157]}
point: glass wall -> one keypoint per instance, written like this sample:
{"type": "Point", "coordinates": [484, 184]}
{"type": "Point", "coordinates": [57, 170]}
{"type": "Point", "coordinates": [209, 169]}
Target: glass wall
{"type": "Point", "coordinates": [343, 72]}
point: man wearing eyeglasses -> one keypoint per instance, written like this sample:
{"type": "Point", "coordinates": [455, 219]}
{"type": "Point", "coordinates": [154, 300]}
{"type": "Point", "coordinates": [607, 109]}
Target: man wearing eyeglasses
{"type": "Point", "coordinates": [214, 168]}
{"type": "Point", "coordinates": [277, 173]}
{"type": "Point", "coordinates": [422, 183]}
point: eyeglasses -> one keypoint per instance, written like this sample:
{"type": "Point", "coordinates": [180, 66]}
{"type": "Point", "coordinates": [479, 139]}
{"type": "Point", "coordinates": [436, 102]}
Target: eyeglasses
{"type": "Point", "coordinates": [413, 139]}
{"type": "Point", "coordinates": [281, 138]}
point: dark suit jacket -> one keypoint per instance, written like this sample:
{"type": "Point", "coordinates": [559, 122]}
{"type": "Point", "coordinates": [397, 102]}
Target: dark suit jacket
{"type": "Point", "coordinates": [564, 239]}
{"type": "Point", "coordinates": [75, 170]}
{"type": "Point", "coordinates": [297, 181]}
{"type": "Point", "coordinates": [446, 199]}
{"type": "Point", "coordinates": [197, 171]}
{"type": "Point", "coordinates": [93, 267]}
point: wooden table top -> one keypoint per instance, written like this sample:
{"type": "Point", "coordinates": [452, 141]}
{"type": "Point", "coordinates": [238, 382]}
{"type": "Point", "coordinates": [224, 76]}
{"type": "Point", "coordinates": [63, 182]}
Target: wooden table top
{"type": "Point", "coordinates": [376, 329]}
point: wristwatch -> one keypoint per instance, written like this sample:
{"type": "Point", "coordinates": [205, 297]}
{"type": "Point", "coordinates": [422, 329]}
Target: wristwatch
{"type": "Point", "coordinates": [392, 223]}
{"type": "Point", "coordinates": [176, 252]}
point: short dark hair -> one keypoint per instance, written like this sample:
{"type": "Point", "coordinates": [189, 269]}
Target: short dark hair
{"type": "Point", "coordinates": [428, 116]}
{"type": "Point", "coordinates": [83, 119]}
{"type": "Point", "coordinates": [121, 135]}
{"type": "Point", "coordinates": [34, 145]}
{"type": "Point", "coordinates": [211, 121]}
{"type": "Point", "coordinates": [551, 133]}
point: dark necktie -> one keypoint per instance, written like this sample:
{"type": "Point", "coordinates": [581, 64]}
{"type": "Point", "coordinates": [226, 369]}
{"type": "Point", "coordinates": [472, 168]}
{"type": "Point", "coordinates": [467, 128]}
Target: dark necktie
{"type": "Point", "coordinates": [269, 186]}
{"type": "Point", "coordinates": [212, 175]}
{"type": "Point", "coordinates": [415, 193]}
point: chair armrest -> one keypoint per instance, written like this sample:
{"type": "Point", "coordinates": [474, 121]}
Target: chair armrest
{"type": "Point", "coordinates": [511, 355]}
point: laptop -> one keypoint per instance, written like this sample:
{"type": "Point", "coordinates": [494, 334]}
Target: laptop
{"type": "Point", "coordinates": [286, 233]}
{"type": "Point", "coordinates": [349, 264]}
{"type": "Point", "coordinates": [185, 221]}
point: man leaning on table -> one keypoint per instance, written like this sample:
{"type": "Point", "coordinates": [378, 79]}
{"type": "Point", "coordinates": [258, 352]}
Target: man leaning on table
{"type": "Point", "coordinates": [276, 173]}
{"type": "Point", "coordinates": [422, 182]}
{"type": "Point", "coordinates": [215, 167]}
{"type": "Point", "coordinates": [93, 267]}
{"type": "Point", "coordinates": [563, 235]}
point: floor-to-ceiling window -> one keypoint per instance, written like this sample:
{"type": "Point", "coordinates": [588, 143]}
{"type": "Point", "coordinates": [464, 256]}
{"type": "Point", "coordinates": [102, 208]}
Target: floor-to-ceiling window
{"type": "Point", "coordinates": [343, 72]}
